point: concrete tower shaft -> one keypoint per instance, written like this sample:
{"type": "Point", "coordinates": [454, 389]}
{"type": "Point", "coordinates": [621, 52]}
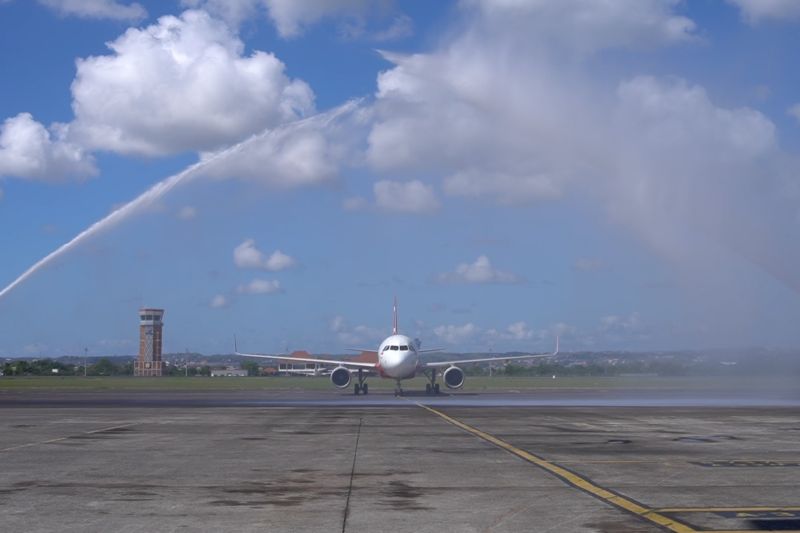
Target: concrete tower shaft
{"type": "Point", "coordinates": [151, 327]}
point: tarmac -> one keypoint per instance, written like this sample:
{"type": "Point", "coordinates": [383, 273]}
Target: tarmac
{"type": "Point", "coordinates": [316, 461]}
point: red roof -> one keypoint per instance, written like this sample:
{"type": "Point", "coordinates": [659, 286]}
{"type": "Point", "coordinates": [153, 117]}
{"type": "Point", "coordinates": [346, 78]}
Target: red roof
{"type": "Point", "coordinates": [365, 357]}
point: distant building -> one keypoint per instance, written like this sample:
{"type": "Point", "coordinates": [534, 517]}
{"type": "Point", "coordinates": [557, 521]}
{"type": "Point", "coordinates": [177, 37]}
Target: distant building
{"type": "Point", "coordinates": [365, 357]}
{"type": "Point", "coordinates": [300, 368]}
{"type": "Point", "coordinates": [228, 373]}
{"type": "Point", "coordinates": [151, 326]}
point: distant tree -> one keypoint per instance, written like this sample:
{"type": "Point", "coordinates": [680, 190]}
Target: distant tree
{"type": "Point", "coordinates": [251, 367]}
{"type": "Point", "coordinates": [103, 367]}
{"type": "Point", "coordinates": [514, 370]}
{"type": "Point", "coordinates": [205, 370]}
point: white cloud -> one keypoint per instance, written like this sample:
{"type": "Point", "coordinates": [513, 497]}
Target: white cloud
{"type": "Point", "coordinates": [234, 12]}
{"type": "Point", "coordinates": [29, 150]}
{"type": "Point", "coordinates": [219, 301]}
{"type": "Point", "coordinates": [290, 17]}
{"type": "Point", "coordinates": [181, 84]}
{"type": "Point", "coordinates": [481, 271]}
{"type": "Point", "coordinates": [588, 25]}
{"type": "Point", "coordinates": [402, 26]}
{"type": "Point", "coordinates": [98, 9]}
{"type": "Point", "coordinates": [517, 331]}
{"type": "Point", "coordinates": [755, 11]}
{"type": "Point", "coordinates": [187, 212]}
{"type": "Point", "coordinates": [538, 125]}
{"type": "Point", "coordinates": [794, 111]}
{"type": "Point", "coordinates": [456, 334]}
{"type": "Point", "coordinates": [260, 286]}
{"type": "Point", "coordinates": [504, 188]}
{"type": "Point", "coordinates": [405, 197]}
{"type": "Point", "coordinates": [355, 335]}
{"type": "Point", "coordinates": [246, 255]}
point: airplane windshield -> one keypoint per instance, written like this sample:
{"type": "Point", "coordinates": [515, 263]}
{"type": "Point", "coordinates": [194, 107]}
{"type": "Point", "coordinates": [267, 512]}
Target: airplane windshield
{"type": "Point", "coordinates": [404, 348]}
{"type": "Point", "coordinates": [395, 347]}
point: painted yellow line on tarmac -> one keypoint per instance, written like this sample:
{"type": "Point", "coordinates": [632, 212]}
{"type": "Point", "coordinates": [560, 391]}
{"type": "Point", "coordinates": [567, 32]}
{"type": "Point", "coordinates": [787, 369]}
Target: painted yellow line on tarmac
{"type": "Point", "coordinates": [573, 479]}
{"type": "Point", "coordinates": [726, 509]}
{"type": "Point", "coordinates": [58, 439]}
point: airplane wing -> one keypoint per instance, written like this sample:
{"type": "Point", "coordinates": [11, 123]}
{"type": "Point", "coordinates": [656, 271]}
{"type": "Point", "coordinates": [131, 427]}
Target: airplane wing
{"type": "Point", "coordinates": [308, 360]}
{"type": "Point", "coordinates": [437, 364]}
{"type": "Point", "coordinates": [302, 359]}
{"type": "Point", "coordinates": [430, 350]}
{"type": "Point", "coordinates": [361, 350]}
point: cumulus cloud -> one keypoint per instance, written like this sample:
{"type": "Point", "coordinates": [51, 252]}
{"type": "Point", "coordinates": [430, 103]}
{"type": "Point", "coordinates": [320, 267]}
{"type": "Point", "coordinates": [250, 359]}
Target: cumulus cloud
{"type": "Point", "coordinates": [456, 334]}
{"type": "Point", "coordinates": [260, 286]}
{"type": "Point", "coordinates": [246, 255]}
{"type": "Point", "coordinates": [98, 9]}
{"type": "Point", "coordinates": [481, 271]}
{"type": "Point", "coordinates": [29, 150]}
{"type": "Point", "coordinates": [589, 25]}
{"type": "Point", "coordinates": [180, 84]}
{"type": "Point", "coordinates": [502, 187]}
{"type": "Point", "coordinates": [755, 11]}
{"type": "Point", "coordinates": [516, 117]}
{"type": "Point", "coordinates": [405, 197]}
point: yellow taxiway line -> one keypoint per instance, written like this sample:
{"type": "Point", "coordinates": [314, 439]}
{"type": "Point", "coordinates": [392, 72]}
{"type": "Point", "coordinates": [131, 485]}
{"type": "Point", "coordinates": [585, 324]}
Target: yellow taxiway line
{"type": "Point", "coordinates": [619, 501]}
{"type": "Point", "coordinates": [58, 439]}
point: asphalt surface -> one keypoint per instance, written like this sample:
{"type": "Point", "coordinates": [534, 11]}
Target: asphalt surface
{"type": "Point", "coordinates": [141, 462]}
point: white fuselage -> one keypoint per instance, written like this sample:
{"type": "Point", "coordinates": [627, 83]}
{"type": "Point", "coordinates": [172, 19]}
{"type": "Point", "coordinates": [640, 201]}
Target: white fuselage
{"type": "Point", "coordinates": [398, 357]}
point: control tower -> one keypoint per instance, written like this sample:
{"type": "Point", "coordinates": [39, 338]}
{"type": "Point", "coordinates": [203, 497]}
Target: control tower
{"type": "Point", "coordinates": [151, 326]}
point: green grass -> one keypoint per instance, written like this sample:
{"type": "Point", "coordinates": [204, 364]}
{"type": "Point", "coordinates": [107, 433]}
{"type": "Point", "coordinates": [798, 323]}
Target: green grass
{"type": "Point", "coordinates": [478, 383]}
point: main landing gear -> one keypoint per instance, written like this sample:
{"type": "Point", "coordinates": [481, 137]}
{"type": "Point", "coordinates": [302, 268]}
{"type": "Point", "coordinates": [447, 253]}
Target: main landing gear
{"type": "Point", "coordinates": [361, 387]}
{"type": "Point", "coordinates": [432, 387]}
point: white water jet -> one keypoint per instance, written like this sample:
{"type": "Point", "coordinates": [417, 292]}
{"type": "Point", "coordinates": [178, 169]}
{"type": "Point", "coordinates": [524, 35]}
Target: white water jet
{"type": "Point", "coordinates": [161, 188]}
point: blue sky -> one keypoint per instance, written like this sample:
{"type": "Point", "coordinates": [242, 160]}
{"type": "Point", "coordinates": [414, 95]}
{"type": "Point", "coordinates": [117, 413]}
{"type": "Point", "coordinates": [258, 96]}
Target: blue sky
{"type": "Point", "coordinates": [623, 175]}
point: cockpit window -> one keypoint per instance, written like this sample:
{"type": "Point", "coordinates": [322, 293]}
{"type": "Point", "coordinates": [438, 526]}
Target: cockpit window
{"type": "Point", "coordinates": [395, 347]}
{"type": "Point", "coordinates": [404, 348]}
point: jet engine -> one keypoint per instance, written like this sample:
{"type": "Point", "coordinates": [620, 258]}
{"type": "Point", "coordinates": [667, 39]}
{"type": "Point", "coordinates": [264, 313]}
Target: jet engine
{"type": "Point", "coordinates": [453, 377]}
{"type": "Point", "coordinates": [340, 376]}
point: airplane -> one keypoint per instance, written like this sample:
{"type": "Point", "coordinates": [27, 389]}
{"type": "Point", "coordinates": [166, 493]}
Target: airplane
{"type": "Point", "coordinates": [398, 359]}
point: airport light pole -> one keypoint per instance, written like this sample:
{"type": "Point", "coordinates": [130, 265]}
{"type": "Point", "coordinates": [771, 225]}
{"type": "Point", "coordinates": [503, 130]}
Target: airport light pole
{"type": "Point", "coordinates": [85, 361]}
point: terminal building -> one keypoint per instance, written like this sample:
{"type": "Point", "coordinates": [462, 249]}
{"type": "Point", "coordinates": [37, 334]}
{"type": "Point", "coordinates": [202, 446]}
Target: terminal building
{"type": "Point", "coordinates": [151, 326]}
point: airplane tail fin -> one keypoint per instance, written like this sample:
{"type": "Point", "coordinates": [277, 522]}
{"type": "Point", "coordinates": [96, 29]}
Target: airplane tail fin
{"type": "Point", "coordinates": [394, 317]}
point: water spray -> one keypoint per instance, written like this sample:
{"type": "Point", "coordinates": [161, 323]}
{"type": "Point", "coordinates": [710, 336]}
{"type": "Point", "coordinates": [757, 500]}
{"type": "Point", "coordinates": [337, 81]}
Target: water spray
{"type": "Point", "coordinates": [163, 187]}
